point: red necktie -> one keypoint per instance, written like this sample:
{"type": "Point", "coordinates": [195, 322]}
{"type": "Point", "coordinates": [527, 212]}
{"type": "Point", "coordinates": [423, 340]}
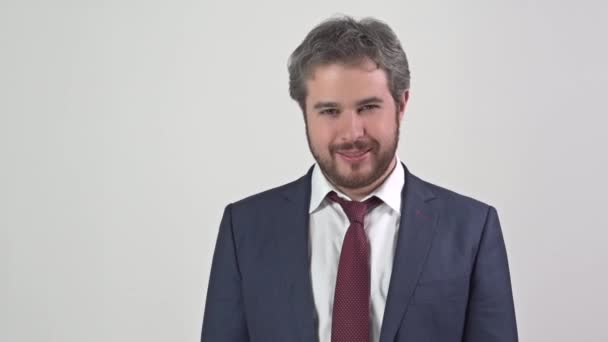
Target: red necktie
{"type": "Point", "coordinates": [350, 318]}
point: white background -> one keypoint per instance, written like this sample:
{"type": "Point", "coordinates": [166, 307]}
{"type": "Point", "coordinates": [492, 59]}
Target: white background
{"type": "Point", "coordinates": [127, 126]}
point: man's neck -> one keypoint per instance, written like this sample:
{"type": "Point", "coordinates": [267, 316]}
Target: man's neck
{"type": "Point", "coordinates": [360, 193]}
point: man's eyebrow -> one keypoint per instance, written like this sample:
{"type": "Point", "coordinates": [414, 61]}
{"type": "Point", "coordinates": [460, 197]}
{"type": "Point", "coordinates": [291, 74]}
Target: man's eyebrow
{"type": "Point", "coordinates": [369, 100]}
{"type": "Point", "coordinates": [321, 105]}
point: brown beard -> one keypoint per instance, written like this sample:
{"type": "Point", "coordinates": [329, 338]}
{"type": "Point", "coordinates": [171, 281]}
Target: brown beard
{"type": "Point", "coordinates": [382, 161]}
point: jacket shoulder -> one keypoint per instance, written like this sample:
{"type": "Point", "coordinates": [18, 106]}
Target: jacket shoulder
{"type": "Point", "coordinates": [457, 205]}
{"type": "Point", "coordinates": [270, 196]}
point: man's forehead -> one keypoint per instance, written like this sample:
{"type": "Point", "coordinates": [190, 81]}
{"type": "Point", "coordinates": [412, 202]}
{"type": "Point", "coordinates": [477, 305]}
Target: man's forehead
{"type": "Point", "coordinates": [347, 84]}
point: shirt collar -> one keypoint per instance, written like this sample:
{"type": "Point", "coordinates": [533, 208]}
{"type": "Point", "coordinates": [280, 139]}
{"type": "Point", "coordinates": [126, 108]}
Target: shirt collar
{"type": "Point", "coordinates": [389, 191]}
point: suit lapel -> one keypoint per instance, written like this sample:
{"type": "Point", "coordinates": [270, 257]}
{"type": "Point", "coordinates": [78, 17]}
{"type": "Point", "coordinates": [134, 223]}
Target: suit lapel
{"type": "Point", "coordinates": [419, 217]}
{"type": "Point", "coordinates": [291, 232]}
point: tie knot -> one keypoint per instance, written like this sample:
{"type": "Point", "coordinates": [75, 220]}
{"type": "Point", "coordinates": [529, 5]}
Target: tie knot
{"type": "Point", "coordinates": [355, 210]}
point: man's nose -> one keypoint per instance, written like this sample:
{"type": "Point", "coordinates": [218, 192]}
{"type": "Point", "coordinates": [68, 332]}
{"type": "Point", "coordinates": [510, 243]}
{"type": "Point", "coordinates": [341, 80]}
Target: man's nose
{"type": "Point", "coordinates": [353, 126]}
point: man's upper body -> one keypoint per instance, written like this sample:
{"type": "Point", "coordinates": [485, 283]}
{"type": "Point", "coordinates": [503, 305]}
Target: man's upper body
{"type": "Point", "coordinates": [449, 279]}
{"type": "Point", "coordinates": [436, 261]}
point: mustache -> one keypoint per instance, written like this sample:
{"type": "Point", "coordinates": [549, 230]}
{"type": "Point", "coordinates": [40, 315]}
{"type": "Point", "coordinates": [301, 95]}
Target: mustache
{"type": "Point", "coordinates": [361, 145]}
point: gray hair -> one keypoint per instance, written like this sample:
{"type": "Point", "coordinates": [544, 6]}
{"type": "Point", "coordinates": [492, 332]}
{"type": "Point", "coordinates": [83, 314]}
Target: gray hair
{"type": "Point", "coordinates": [346, 40]}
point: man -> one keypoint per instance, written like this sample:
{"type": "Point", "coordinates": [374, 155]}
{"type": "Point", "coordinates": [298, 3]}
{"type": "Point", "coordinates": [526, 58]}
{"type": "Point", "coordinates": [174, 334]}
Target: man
{"type": "Point", "coordinates": [358, 249]}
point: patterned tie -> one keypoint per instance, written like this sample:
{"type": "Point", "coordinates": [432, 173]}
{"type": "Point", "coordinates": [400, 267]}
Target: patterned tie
{"type": "Point", "coordinates": [350, 319]}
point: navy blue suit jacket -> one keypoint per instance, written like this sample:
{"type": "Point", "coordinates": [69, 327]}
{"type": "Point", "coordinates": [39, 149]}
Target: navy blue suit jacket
{"type": "Point", "coordinates": [450, 279]}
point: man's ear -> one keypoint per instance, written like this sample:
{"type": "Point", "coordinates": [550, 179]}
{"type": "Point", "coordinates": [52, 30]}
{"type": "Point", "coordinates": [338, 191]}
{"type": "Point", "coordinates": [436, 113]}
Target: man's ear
{"type": "Point", "coordinates": [403, 103]}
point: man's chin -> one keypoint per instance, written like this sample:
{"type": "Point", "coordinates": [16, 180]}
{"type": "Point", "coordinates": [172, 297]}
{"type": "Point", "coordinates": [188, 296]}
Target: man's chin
{"type": "Point", "coordinates": [353, 179]}
{"type": "Point", "coordinates": [359, 169]}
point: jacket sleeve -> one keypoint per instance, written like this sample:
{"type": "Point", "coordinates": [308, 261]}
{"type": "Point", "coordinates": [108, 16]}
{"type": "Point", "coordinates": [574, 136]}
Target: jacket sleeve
{"type": "Point", "coordinates": [224, 317]}
{"type": "Point", "coordinates": [490, 312]}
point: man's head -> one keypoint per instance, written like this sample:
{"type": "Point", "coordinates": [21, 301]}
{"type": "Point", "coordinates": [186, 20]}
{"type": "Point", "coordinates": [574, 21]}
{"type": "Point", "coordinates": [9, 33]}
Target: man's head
{"type": "Point", "coordinates": [351, 80]}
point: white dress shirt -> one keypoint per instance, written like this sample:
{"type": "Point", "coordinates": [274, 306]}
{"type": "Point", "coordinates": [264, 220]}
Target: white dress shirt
{"type": "Point", "coordinates": [328, 225]}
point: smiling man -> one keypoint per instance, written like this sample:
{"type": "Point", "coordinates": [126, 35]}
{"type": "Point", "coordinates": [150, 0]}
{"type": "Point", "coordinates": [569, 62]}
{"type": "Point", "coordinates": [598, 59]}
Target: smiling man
{"type": "Point", "coordinates": [359, 248]}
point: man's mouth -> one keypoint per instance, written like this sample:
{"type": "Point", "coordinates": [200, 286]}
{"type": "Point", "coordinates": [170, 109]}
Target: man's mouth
{"type": "Point", "coordinates": [354, 155]}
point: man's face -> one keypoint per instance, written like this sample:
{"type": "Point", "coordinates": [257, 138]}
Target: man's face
{"type": "Point", "coordinates": [352, 122]}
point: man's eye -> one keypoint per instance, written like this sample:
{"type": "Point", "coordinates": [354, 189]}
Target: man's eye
{"type": "Point", "coordinates": [368, 107]}
{"type": "Point", "coordinates": [330, 111]}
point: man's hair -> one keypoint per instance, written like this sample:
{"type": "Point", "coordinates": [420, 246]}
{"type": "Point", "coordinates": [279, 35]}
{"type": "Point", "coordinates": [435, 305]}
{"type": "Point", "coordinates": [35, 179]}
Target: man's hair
{"type": "Point", "coordinates": [346, 40]}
